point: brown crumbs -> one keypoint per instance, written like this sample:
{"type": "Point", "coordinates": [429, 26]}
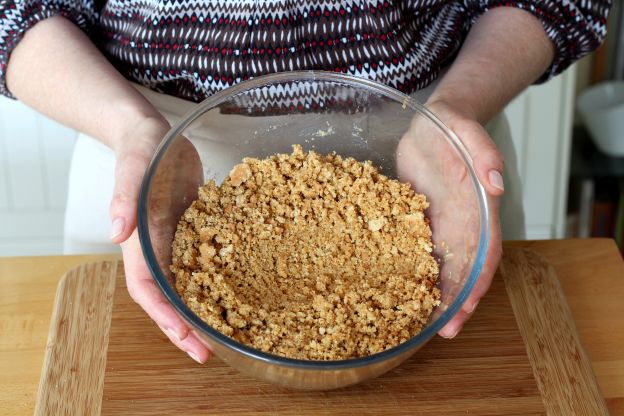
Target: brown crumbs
{"type": "Point", "coordinates": [308, 256]}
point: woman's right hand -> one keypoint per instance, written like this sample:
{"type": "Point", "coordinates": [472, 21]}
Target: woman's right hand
{"type": "Point", "coordinates": [58, 71]}
{"type": "Point", "coordinates": [172, 189]}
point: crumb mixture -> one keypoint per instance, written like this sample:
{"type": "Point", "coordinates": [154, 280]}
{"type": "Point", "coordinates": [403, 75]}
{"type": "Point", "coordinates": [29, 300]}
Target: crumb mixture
{"type": "Point", "coordinates": [308, 256]}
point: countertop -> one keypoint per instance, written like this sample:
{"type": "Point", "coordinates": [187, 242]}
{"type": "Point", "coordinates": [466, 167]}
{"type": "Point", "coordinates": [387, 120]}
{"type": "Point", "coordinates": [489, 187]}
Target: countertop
{"type": "Point", "coordinates": [591, 273]}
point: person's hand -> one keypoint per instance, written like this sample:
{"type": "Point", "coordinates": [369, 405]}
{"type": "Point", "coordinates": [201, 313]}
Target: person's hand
{"type": "Point", "coordinates": [425, 160]}
{"type": "Point", "coordinates": [173, 188]}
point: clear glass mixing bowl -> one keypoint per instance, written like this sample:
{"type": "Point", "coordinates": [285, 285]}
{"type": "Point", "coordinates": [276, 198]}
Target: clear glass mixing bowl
{"type": "Point", "coordinates": [325, 112]}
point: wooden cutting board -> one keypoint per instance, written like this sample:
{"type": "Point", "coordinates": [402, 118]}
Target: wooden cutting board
{"type": "Point", "coordinates": [519, 354]}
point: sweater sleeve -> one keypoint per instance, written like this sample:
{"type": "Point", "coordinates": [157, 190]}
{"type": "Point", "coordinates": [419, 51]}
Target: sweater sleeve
{"type": "Point", "coordinates": [17, 16]}
{"type": "Point", "coordinates": [576, 27]}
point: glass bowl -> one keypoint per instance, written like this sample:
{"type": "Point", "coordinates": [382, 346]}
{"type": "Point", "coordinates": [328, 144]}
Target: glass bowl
{"type": "Point", "coordinates": [325, 112]}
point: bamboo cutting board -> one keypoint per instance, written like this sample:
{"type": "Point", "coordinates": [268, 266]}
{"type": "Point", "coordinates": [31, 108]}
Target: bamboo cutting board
{"type": "Point", "coordinates": [519, 354]}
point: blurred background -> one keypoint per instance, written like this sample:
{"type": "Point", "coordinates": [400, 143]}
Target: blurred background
{"type": "Point", "coordinates": [571, 157]}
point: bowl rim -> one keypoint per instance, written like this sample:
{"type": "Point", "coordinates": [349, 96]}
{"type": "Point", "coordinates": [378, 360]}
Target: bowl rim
{"type": "Point", "coordinates": [310, 76]}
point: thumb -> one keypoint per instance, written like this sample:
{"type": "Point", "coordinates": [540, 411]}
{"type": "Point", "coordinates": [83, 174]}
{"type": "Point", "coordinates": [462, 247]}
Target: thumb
{"type": "Point", "coordinates": [133, 156]}
{"type": "Point", "coordinates": [488, 162]}
{"type": "Point", "coordinates": [129, 170]}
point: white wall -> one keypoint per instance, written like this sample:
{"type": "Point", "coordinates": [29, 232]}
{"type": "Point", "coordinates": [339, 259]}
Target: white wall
{"type": "Point", "coordinates": [34, 163]}
{"type": "Point", "coordinates": [541, 121]}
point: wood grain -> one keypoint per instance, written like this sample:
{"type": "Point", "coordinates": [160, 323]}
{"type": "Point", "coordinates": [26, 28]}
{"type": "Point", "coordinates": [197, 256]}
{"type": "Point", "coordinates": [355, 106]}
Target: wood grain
{"type": "Point", "coordinates": [560, 364]}
{"type": "Point", "coordinates": [591, 273]}
{"type": "Point", "coordinates": [72, 377]}
{"type": "Point", "coordinates": [483, 371]}
{"type": "Point", "coordinates": [26, 300]}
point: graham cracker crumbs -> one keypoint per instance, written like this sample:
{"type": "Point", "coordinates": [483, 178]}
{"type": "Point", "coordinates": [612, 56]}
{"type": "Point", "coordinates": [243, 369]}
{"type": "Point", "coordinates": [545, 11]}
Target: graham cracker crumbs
{"type": "Point", "coordinates": [308, 256]}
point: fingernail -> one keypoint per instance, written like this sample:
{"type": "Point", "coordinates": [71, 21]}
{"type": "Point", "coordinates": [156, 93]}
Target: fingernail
{"type": "Point", "coordinates": [450, 334]}
{"type": "Point", "coordinates": [117, 227]}
{"type": "Point", "coordinates": [194, 357]}
{"type": "Point", "coordinates": [496, 179]}
{"type": "Point", "coordinates": [471, 309]}
{"type": "Point", "coordinates": [173, 334]}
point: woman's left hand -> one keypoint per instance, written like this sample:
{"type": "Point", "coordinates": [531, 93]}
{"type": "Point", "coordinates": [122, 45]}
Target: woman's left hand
{"type": "Point", "coordinates": [172, 190]}
{"type": "Point", "coordinates": [424, 160]}
{"type": "Point", "coordinates": [488, 164]}
{"type": "Point", "coordinates": [506, 50]}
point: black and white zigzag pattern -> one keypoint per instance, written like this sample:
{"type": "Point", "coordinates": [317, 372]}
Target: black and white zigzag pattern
{"type": "Point", "coordinates": [191, 48]}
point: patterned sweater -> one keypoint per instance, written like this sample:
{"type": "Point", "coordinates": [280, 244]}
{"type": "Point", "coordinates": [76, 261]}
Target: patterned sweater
{"type": "Point", "coordinates": [191, 49]}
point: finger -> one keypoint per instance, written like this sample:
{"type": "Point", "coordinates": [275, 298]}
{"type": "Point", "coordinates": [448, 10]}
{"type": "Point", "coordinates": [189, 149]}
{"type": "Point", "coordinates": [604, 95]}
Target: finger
{"type": "Point", "coordinates": [144, 291]}
{"type": "Point", "coordinates": [492, 258]}
{"type": "Point", "coordinates": [149, 297]}
{"type": "Point", "coordinates": [129, 170]}
{"type": "Point", "coordinates": [204, 343]}
{"type": "Point", "coordinates": [484, 282]}
{"type": "Point", "coordinates": [190, 345]}
{"type": "Point", "coordinates": [452, 327]}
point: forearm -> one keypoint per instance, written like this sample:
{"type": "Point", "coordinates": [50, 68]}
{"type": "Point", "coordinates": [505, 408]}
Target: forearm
{"type": "Point", "coordinates": [58, 71]}
{"type": "Point", "coordinates": [505, 51]}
